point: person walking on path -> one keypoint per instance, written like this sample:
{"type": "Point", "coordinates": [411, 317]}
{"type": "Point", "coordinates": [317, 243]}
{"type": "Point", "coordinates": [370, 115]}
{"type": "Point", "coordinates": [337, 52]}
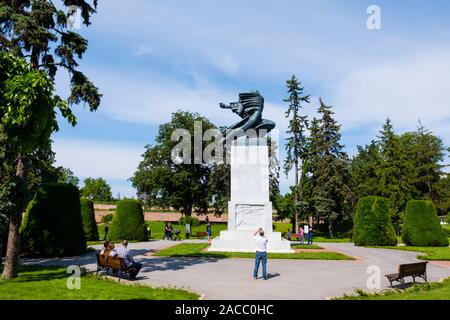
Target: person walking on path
{"type": "Point", "coordinates": [301, 235]}
{"type": "Point", "coordinates": [261, 253]}
{"type": "Point", "coordinates": [310, 235]}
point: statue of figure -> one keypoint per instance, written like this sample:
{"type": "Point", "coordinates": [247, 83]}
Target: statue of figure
{"type": "Point", "coordinates": [249, 108]}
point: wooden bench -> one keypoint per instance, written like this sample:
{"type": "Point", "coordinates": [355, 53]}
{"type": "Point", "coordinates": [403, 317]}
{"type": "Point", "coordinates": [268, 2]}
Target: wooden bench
{"type": "Point", "coordinates": [414, 270]}
{"type": "Point", "coordinates": [113, 263]}
{"type": "Point", "coordinates": [202, 234]}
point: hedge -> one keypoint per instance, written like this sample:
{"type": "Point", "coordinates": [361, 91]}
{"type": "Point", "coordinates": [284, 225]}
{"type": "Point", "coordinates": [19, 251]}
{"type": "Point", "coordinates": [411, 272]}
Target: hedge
{"type": "Point", "coordinates": [52, 224]}
{"type": "Point", "coordinates": [421, 225]}
{"type": "Point", "coordinates": [88, 217]}
{"type": "Point", "coordinates": [372, 223]}
{"type": "Point", "coordinates": [128, 222]}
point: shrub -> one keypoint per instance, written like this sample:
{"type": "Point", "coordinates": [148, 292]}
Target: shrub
{"type": "Point", "coordinates": [194, 222]}
{"type": "Point", "coordinates": [372, 223]}
{"type": "Point", "coordinates": [88, 217]}
{"type": "Point", "coordinates": [107, 218]}
{"type": "Point", "coordinates": [421, 225]}
{"type": "Point", "coordinates": [52, 225]}
{"type": "Point", "coordinates": [128, 222]}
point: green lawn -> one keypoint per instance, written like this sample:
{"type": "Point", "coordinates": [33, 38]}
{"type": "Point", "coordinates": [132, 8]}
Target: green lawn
{"type": "Point", "coordinates": [50, 283]}
{"type": "Point", "coordinates": [433, 291]}
{"type": "Point", "coordinates": [430, 253]}
{"type": "Point", "coordinates": [305, 246]}
{"type": "Point", "coordinates": [195, 250]}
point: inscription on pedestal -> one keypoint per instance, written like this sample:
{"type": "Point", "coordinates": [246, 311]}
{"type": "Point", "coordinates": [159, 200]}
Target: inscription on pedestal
{"type": "Point", "coordinates": [249, 217]}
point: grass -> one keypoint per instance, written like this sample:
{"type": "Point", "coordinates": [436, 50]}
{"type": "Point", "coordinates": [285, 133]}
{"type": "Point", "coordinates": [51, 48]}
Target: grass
{"type": "Point", "coordinates": [305, 246]}
{"type": "Point", "coordinates": [446, 228]}
{"type": "Point", "coordinates": [334, 240]}
{"type": "Point", "coordinates": [431, 253]}
{"type": "Point", "coordinates": [50, 283]}
{"type": "Point", "coordinates": [196, 250]}
{"type": "Point", "coordinates": [432, 291]}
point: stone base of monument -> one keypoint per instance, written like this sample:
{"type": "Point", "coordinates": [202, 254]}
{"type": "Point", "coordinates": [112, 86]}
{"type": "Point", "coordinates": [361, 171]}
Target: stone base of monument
{"type": "Point", "coordinates": [249, 207]}
{"type": "Point", "coordinates": [242, 241]}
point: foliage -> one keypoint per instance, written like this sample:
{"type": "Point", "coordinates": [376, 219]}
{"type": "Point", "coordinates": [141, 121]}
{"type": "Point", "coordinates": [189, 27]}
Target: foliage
{"type": "Point", "coordinates": [372, 223]}
{"type": "Point", "coordinates": [88, 218]}
{"type": "Point", "coordinates": [296, 143]}
{"type": "Point", "coordinates": [194, 222]}
{"type": "Point", "coordinates": [161, 182]}
{"type": "Point", "coordinates": [107, 218]}
{"type": "Point", "coordinates": [66, 176]}
{"type": "Point", "coordinates": [402, 167]}
{"type": "Point", "coordinates": [421, 225]}
{"type": "Point", "coordinates": [128, 222]}
{"type": "Point", "coordinates": [52, 225]}
{"type": "Point", "coordinates": [327, 185]}
{"type": "Point", "coordinates": [96, 189]}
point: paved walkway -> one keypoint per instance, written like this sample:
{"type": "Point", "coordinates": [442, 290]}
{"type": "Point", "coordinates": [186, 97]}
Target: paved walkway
{"type": "Point", "coordinates": [290, 279]}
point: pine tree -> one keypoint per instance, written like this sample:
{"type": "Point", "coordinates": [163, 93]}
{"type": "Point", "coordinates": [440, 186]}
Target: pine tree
{"type": "Point", "coordinates": [396, 174]}
{"type": "Point", "coordinates": [297, 141]}
{"type": "Point", "coordinates": [330, 175]}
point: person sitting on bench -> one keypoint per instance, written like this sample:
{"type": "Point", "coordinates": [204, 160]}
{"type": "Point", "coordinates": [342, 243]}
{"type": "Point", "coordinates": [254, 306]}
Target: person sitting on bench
{"type": "Point", "coordinates": [133, 266]}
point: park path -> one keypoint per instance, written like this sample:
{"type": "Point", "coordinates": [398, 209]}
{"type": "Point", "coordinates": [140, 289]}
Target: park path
{"type": "Point", "coordinates": [290, 279]}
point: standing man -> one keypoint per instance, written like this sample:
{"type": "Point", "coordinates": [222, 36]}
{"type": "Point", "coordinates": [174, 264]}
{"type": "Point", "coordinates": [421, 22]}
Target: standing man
{"type": "Point", "coordinates": [261, 253]}
{"type": "Point", "coordinates": [106, 231]}
{"type": "Point", "coordinates": [310, 235]}
{"type": "Point", "coordinates": [209, 232]}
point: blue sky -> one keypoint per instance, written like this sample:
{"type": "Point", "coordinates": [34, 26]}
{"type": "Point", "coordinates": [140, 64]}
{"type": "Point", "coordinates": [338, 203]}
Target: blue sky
{"type": "Point", "coordinates": [151, 58]}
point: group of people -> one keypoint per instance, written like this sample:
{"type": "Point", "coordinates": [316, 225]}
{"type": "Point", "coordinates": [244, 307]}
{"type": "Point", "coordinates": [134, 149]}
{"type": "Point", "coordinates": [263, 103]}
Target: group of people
{"type": "Point", "coordinates": [132, 266]}
{"type": "Point", "coordinates": [306, 233]}
{"type": "Point", "coordinates": [174, 234]}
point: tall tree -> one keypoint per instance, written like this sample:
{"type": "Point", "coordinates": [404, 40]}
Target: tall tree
{"type": "Point", "coordinates": [297, 140]}
{"type": "Point", "coordinates": [183, 185]}
{"type": "Point", "coordinates": [426, 151]}
{"type": "Point", "coordinates": [331, 178]}
{"type": "Point", "coordinates": [96, 189]}
{"type": "Point", "coordinates": [30, 30]}
{"type": "Point", "coordinates": [396, 174]}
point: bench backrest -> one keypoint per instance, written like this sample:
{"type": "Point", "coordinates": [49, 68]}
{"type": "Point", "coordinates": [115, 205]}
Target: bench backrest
{"type": "Point", "coordinates": [202, 234]}
{"type": "Point", "coordinates": [111, 262]}
{"type": "Point", "coordinates": [412, 269]}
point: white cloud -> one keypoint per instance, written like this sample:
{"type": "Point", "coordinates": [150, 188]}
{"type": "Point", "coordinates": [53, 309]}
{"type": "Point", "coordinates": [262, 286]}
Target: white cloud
{"type": "Point", "coordinates": [415, 87]}
{"type": "Point", "coordinates": [106, 159]}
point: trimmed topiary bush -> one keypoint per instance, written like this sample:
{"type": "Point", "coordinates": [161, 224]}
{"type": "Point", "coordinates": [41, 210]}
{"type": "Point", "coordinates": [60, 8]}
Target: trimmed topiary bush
{"type": "Point", "coordinates": [88, 217]}
{"type": "Point", "coordinates": [52, 224]}
{"type": "Point", "coordinates": [421, 225]}
{"type": "Point", "coordinates": [372, 223]}
{"type": "Point", "coordinates": [128, 222]}
{"type": "Point", "coordinates": [107, 218]}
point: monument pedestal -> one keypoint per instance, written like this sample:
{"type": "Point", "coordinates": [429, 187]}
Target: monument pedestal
{"type": "Point", "coordinates": [250, 207]}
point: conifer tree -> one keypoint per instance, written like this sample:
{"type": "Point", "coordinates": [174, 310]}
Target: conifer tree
{"type": "Point", "coordinates": [297, 141]}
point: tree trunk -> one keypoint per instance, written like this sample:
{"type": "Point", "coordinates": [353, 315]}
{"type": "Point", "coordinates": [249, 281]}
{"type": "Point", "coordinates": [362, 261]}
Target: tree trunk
{"type": "Point", "coordinates": [13, 244]}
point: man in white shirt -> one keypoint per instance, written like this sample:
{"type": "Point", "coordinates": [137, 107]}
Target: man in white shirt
{"type": "Point", "coordinates": [261, 253]}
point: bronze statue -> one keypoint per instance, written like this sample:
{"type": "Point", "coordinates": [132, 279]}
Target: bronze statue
{"type": "Point", "coordinates": [249, 108]}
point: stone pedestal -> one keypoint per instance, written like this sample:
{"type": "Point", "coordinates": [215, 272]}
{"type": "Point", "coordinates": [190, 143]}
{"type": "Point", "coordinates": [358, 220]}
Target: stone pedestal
{"type": "Point", "coordinates": [250, 207]}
